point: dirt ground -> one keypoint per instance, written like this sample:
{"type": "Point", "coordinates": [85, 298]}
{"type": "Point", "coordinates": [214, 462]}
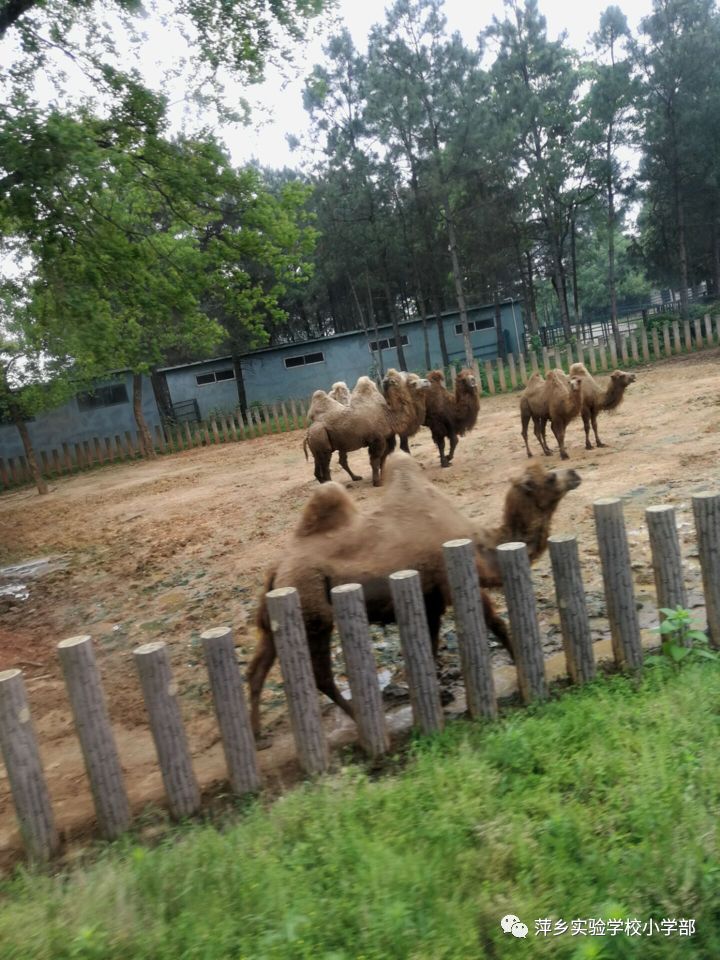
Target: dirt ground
{"type": "Point", "coordinates": [164, 550]}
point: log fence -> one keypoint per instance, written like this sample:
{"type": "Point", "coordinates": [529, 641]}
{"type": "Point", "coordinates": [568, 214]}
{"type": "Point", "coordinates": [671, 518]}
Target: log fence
{"type": "Point", "coordinates": [494, 377]}
{"type": "Point", "coordinates": [161, 693]}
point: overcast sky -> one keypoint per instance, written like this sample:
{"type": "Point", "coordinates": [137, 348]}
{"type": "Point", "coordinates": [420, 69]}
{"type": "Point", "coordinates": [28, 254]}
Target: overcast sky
{"type": "Point", "coordinates": [283, 103]}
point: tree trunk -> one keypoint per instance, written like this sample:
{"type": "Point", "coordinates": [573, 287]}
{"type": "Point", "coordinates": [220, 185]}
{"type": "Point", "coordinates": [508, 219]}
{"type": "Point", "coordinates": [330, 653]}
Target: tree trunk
{"type": "Point", "coordinates": [534, 326]}
{"type": "Point", "coordinates": [373, 317]}
{"type": "Point", "coordinates": [239, 382]}
{"type": "Point", "coordinates": [423, 320]}
{"type": "Point", "coordinates": [611, 255]}
{"type": "Point", "coordinates": [573, 253]}
{"type": "Point", "coordinates": [682, 248]}
{"type": "Point", "coordinates": [437, 309]}
{"type": "Point", "coordinates": [502, 352]}
{"type": "Point", "coordinates": [716, 257]}
{"type": "Point", "coordinates": [392, 312]}
{"type": "Point", "coordinates": [459, 292]}
{"type": "Point", "coordinates": [37, 476]}
{"type": "Point", "coordinates": [146, 444]}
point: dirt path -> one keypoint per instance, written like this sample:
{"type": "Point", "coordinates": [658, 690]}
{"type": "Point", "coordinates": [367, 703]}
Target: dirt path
{"type": "Point", "coordinates": [164, 550]}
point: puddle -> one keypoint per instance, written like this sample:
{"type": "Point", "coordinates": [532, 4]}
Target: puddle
{"type": "Point", "coordinates": [14, 579]}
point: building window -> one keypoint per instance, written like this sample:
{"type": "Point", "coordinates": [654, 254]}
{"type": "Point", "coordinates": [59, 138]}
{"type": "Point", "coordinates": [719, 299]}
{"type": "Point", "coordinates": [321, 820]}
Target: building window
{"type": "Point", "coordinates": [304, 358]}
{"type": "Point", "coordinates": [388, 342]}
{"type": "Point", "coordinates": [216, 376]}
{"type": "Point", "coordinates": [475, 325]}
{"type": "Point", "coordinates": [108, 396]}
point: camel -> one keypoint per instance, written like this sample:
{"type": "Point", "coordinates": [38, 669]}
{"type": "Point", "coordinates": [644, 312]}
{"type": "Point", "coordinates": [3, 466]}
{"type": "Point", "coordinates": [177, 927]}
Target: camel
{"type": "Point", "coordinates": [336, 543]}
{"type": "Point", "coordinates": [557, 399]}
{"type": "Point", "coordinates": [370, 420]}
{"type": "Point", "coordinates": [451, 415]}
{"type": "Point", "coordinates": [418, 388]}
{"type": "Point", "coordinates": [595, 399]}
{"type": "Point", "coordinates": [322, 403]}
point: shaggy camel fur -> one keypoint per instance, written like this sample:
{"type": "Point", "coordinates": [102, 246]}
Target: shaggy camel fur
{"type": "Point", "coordinates": [335, 543]}
{"type": "Point", "coordinates": [370, 420]}
{"type": "Point", "coordinates": [451, 415]}
{"type": "Point", "coordinates": [558, 399]}
{"type": "Point", "coordinates": [418, 388]}
{"type": "Point", "coordinates": [321, 404]}
{"type": "Point", "coordinates": [595, 399]}
{"type": "Point", "coordinates": [339, 391]}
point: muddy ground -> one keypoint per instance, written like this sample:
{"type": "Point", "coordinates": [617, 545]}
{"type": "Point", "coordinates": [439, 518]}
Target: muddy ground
{"type": "Point", "coordinates": [164, 550]}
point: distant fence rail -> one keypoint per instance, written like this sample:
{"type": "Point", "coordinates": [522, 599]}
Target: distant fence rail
{"type": "Point", "coordinates": [493, 376]}
{"type": "Point", "coordinates": [160, 692]}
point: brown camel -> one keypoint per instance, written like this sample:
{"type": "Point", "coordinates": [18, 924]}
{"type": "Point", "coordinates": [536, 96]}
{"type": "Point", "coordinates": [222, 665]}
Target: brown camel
{"type": "Point", "coordinates": [557, 399]}
{"type": "Point", "coordinates": [595, 399]}
{"type": "Point", "coordinates": [370, 420]}
{"type": "Point", "coordinates": [418, 388]}
{"type": "Point", "coordinates": [335, 543]}
{"type": "Point", "coordinates": [451, 415]}
{"type": "Point", "coordinates": [339, 391]}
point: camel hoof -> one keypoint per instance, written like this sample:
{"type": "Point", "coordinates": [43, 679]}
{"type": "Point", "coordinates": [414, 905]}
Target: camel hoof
{"type": "Point", "coordinates": [601, 444]}
{"type": "Point", "coordinates": [588, 446]}
{"type": "Point", "coordinates": [355, 478]}
{"type": "Point", "coordinates": [564, 455]}
{"type": "Point", "coordinates": [445, 463]}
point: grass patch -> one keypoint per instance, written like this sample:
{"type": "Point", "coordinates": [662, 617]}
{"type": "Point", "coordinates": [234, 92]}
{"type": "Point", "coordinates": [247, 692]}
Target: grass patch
{"type": "Point", "coordinates": [604, 803]}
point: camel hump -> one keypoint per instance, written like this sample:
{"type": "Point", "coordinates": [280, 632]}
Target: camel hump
{"type": "Point", "coordinates": [579, 370]}
{"type": "Point", "coordinates": [402, 472]}
{"type": "Point", "coordinates": [329, 508]}
{"type": "Point", "coordinates": [436, 376]}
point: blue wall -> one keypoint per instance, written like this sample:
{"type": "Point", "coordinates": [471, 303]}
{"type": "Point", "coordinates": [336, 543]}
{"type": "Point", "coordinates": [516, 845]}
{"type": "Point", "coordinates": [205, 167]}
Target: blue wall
{"type": "Point", "coordinates": [182, 385]}
{"type": "Point", "coordinates": [346, 356]}
{"type": "Point", "coordinates": [69, 424]}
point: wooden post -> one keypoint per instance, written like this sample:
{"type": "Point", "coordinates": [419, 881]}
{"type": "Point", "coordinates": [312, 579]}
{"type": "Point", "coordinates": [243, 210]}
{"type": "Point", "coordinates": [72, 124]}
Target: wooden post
{"type": "Point", "coordinates": [130, 445]}
{"type": "Point", "coordinates": [352, 625]}
{"type": "Point", "coordinates": [232, 426]}
{"type": "Point", "coordinates": [45, 468]}
{"type": "Point", "coordinates": [534, 362]}
{"type": "Point", "coordinates": [697, 325]}
{"type": "Point", "coordinates": [546, 361]}
{"type": "Point", "coordinates": [288, 628]}
{"type": "Point", "coordinates": [160, 695]}
{"type": "Point", "coordinates": [95, 734]}
{"type": "Point", "coordinates": [275, 417]}
{"type": "Point", "coordinates": [655, 343]}
{"type": "Point", "coordinates": [513, 374]}
{"type": "Point", "coordinates": [666, 558]}
{"type": "Point", "coordinates": [67, 458]}
{"type": "Point", "coordinates": [593, 360]}
{"type": "Point", "coordinates": [688, 335]}
{"type": "Point", "coordinates": [708, 329]}
{"type": "Point", "coordinates": [98, 450]}
{"type": "Point", "coordinates": [490, 376]}
{"type": "Point", "coordinates": [717, 327]}
{"type": "Point", "coordinates": [706, 509]}
{"type": "Point", "coordinates": [417, 650]}
{"type": "Point", "coordinates": [634, 347]}
{"type": "Point", "coordinates": [617, 578]}
{"type": "Point", "coordinates": [602, 356]}
{"type": "Point", "coordinates": [574, 621]}
{"type": "Point", "coordinates": [471, 629]}
{"type": "Point", "coordinates": [527, 646]}
{"type": "Point", "coordinates": [453, 375]}
{"type": "Point", "coordinates": [88, 453]}
{"type": "Point", "coordinates": [79, 458]}
{"type": "Point", "coordinates": [286, 422]}
{"type": "Point", "coordinates": [24, 769]}
{"type": "Point", "coordinates": [501, 375]}
{"type": "Point", "coordinates": [4, 475]}
{"type": "Point", "coordinates": [231, 710]}
{"type": "Point", "coordinates": [206, 433]}
{"type": "Point", "coordinates": [57, 466]}
{"type": "Point", "coordinates": [613, 351]}
{"type": "Point", "coordinates": [568, 351]}
{"type": "Point", "coordinates": [558, 359]}
{"type": "Point", "coordinates": [623, 350]}
{"type": "Point", "coordinates": [215, 432]}
{"type": "Point", "coordinates": [159, 438]}
{"type": "Point", "coordinates": [188, 436]}
{"type": "Point", "coordinates": [676, 336]}
{"type": "Point", "coordinates": [266, 418]}
{"type": "Point", "coordinates": [293, 410]}
{"type": "Point", "coordinates": [523, 370]}
{"type": "Point", "coordinates": [666, 340]}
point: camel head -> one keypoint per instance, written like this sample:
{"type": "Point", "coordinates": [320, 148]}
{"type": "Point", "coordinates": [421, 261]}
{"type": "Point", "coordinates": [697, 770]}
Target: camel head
{"type": "Point", "coordinates": [622, 379]}
{"type": "Point", "coordinates": [417, 383]}
{"type": "Point", "coordinates": [575, 384]}
{"type": "Point", "coordinates": [466, 381]}
{"type": "Point", "coordinates": [539, 490]}
{"type": "Point", "coordinates": [392, 380]}
{"type": "Point", "coordinates": [436, 376]}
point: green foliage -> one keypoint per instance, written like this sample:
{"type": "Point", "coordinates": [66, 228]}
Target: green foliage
{"type": "Point", "coordinates": [603, 803]}
{"type": "Point", "coordinates": [681, 641]}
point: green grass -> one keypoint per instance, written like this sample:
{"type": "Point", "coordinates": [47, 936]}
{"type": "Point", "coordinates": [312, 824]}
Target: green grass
{"type": "Point", "coordinates": [604, 803]}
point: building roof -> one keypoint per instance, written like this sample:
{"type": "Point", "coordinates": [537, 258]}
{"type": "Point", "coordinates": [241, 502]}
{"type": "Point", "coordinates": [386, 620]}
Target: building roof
{"type": "Point", "coordinates": [333, 336]}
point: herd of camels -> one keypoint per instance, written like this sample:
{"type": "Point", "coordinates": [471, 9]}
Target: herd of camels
{"type": "Point", "coordinates": [405, 527]}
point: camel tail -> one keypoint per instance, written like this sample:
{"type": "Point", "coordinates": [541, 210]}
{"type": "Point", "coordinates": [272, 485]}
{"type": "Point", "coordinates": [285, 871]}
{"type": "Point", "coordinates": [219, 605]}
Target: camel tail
{"type": "Point", "coordinates": [305, 450]}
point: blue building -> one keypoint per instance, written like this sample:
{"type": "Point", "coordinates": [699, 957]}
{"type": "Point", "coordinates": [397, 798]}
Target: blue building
{"type": "Point", "coordinates": [106, 411]}
{"type": "Point", "coordinates": [294, 370]}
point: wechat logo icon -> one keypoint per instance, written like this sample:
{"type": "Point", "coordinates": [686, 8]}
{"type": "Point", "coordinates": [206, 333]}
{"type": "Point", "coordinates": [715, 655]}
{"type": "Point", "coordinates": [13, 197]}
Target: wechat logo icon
{"type": "Point", "coordinates": [512, 924]}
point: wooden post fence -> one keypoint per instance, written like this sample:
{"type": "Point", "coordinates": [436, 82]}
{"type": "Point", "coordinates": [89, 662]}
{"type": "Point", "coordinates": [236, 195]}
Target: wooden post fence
{"type": "Point", "coordinates": [617, 577]}
{"type": "Point", "coordinates": [471, 630]}
{"type": "Point", "coordinates": [417, 650]}
{"type": "Point", "coordinates": [666, 558]}
{"type": "Point", "coordinates": [95, 734]}
{"type": "Point", "coordinates": [706, 510]}
{"type": "Point", "coordinates": [24, 769]}
{"type": "Point", "coordinates": [160, 694]}
{"type": "Point", "coordinates": [574, 621]}
{"type": "Point", "coordinates": [352, 625]}
{"type": "Point", "coordinates": [288, 629]}
{"type": "Point", "coordinates": [527, 646]}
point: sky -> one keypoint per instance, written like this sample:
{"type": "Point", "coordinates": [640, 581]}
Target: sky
{"type": "Point", "coordinates": [279, 104]}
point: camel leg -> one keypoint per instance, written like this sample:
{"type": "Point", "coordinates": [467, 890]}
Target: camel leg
{"type": "Point", "coordinates": [453, 444]}
{"type": "Point", "coordinates": [434, 609]}
{"type": "Point", "coordinates": [342, 457]}
{"type": "Point", "coordinates": [404, 445]}
{"type": "Point", "coordinates": [559, 432]}
{"type": "Point", "coordinates": [260, 665]}
{"type": "Point", "coordinates": [319, 642]}
{"type": "Point", "coordinates": [322, 466]}
{"type": "Point", "coordinates": [377, 451]}
{"type": "Point", "coordinates": [540, 426]}
{"type": "Point", "coordinates": [496, 625]}
{"type": "Point", "coordinates": [439, 439]}
{"type": "Point", "coordinates": [593, 416]}
{"type": "Point", "coordinates": [586, 425]}
{"type": "Point", "coordinates": [525, 420]}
